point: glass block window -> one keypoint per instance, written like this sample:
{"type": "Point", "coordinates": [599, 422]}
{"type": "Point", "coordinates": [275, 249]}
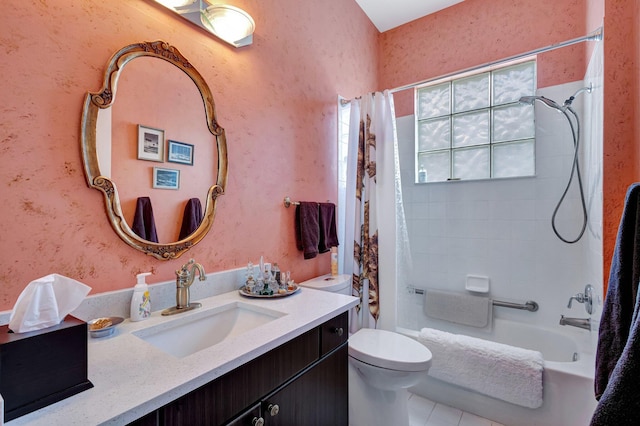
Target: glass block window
{"type": "Point", "coordinates": [473, 127]}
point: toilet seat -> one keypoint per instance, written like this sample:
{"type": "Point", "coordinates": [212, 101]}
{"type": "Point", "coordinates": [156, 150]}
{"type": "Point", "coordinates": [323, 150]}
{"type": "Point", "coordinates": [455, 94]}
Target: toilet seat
{"type": "Point", "coordinates": [389, 350]}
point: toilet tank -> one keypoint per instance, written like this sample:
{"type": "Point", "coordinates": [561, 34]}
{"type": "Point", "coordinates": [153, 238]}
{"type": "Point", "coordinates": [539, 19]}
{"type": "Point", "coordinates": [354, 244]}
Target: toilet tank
{"type": "Point", "coordinates": [334, 283]}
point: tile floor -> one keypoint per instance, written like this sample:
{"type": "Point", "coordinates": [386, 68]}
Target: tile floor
{"type": "Point", "coordinates": [423, 412]}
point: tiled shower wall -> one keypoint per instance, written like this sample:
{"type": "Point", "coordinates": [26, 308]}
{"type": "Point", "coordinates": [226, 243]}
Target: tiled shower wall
{"type": "Point", "coordinates": [502, 228]}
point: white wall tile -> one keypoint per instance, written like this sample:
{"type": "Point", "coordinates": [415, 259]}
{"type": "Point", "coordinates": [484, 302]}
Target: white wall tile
{"type": "Point", "coordinates": [502, 228]}
{"type": "Point", "coordinates": [500, 210]}
{"type": "Point", "coordinates": [436, 227]}
{"type": "Point", "coordinates": [437, 210]}
{"type": "Point", "coordinates": [523, 210]}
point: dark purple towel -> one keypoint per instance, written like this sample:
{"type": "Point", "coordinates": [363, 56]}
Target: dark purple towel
{"type": "Point", "coordinates": [191, 219]}
{"type": "Point", "coordinates": [328, 233]}
{"type": "Point", "coordinates": [144, 224]}
{"type": "Point", "coordinates": [618, 354]}
{"type": "Point", "coordinates": [307, 228]}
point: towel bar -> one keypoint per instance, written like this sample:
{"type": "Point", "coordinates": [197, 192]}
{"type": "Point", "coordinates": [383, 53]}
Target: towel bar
{"type": "Point", "coordinates": [288, 203]}
{"type": "Point", "coordinates": [529, 305]}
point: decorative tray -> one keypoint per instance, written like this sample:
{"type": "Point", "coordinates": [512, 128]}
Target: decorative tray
{"type": "Point", "coordinates": [269, 296]}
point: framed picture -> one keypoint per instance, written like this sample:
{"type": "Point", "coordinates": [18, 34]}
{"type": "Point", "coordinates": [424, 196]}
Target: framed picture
{"type": "Point", "coordinates": [150, 144]}
{"type": "Point", "coordinates": [180, 152]}
{"type": "Point", "coordinates": [166, 178]}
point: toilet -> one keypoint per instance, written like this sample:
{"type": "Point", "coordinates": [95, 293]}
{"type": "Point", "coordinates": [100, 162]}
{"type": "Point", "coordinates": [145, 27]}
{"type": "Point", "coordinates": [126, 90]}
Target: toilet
{"type": "Point", "coordinates": [382, 365]}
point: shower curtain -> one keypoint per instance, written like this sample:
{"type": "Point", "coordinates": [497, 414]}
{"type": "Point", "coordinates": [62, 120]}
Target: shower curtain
{"type": "Point", "coordinates": [371, 139]}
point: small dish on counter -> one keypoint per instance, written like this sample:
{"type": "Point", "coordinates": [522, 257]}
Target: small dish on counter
{"type": "Point", "coordinates": [103, 327]}
{"type": "Point", "coordinates": [288, 292]}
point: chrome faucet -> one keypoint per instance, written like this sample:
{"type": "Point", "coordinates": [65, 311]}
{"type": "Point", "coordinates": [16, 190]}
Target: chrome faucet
{"type": "Point", "coordinates": [184, 278]}
{"type": "Point", "coordinates": [584, 323]}
{"type": "Point", "coordinates": [586, 298]}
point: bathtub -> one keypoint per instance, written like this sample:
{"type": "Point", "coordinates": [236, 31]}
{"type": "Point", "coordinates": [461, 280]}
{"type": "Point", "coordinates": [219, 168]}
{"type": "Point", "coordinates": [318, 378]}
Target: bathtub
{"type": "Point", "coordinates": [568, 398]}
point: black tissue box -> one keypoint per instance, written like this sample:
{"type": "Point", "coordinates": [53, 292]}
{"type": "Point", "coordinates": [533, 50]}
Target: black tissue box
{"type": "Point", "coordinates": [41, 367]}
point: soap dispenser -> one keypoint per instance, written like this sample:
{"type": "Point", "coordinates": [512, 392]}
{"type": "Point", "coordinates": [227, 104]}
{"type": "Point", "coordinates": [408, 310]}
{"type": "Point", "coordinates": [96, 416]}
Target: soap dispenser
{"type": "Point", "coordinates": [140, 301]}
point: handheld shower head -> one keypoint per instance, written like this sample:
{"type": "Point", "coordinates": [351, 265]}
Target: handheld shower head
{"type": "Point", "coordinates": [575, 169]}
{"type": "Point", "coordinates": [527, 100]}
{"type": "Point", "coordinates": [530, 100]}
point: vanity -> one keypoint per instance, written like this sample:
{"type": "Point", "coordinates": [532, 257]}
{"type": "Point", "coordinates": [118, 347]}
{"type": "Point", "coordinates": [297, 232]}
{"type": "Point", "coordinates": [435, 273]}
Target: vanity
{"type": "Point", "coordinates": [293, 366]}
{"type": "Point", "coordinates": [302, 382]}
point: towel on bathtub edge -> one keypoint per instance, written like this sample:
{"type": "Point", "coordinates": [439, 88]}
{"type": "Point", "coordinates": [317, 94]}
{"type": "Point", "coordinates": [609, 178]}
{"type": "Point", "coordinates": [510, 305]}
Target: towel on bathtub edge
{"type": "Point", "coordinates": [460, 308]}
{"type": "Point", "coordinates": [501, 371]}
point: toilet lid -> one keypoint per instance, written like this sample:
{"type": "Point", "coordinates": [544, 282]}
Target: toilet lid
{"type": "Point", "coordinates": [332, 283]}
{"type": "Point", "coordinates": [389, 350]}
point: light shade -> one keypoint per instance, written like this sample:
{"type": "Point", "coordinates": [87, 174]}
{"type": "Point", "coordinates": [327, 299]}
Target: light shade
{"type": "Point", "coordinates": [173, 4]}
{"type": "Point", "coordinates": [231, 24]}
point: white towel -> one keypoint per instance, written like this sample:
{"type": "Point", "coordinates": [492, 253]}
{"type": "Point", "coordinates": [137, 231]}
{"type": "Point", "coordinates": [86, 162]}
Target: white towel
{"type": "Point", "coordinates": [501, 371]}
{"type": "Point", "coordinates": [460, 308]}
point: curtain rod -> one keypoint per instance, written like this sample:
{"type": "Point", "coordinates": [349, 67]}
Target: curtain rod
{"type": "Point", "coordinates": [594, 36]}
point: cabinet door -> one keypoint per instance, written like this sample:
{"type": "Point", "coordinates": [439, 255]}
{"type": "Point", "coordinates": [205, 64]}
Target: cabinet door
{"type": "Point", "coordinates": [251, 417]}
{"type": "Point", "coordinates": [334, 333]}
{"type": "Point", "coordinates": [319, 397]}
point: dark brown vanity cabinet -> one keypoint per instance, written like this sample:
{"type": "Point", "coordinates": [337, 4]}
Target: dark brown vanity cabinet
{"type": "Point", "coordinates": [301, 382]}
{"type": "Point", "coordinates": [313, 397]}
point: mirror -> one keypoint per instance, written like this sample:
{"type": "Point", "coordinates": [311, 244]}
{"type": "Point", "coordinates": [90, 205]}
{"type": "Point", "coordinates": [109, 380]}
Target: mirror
{"type": "Point", "coordinates": [124, 142]}
{"type": "Point", "coordinates": [157, 100]}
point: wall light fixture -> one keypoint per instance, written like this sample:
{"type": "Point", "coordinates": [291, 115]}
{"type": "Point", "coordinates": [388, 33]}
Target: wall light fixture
{"type": "Point", "coordinates": [229, 23]}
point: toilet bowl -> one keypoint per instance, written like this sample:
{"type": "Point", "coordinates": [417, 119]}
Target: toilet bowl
{"type": "Point", "coordinates": [382, 365]}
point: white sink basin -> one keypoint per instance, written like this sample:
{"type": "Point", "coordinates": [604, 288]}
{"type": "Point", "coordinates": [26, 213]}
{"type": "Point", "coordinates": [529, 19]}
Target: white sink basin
{"type": "Point", "coordinates": [186, 335]}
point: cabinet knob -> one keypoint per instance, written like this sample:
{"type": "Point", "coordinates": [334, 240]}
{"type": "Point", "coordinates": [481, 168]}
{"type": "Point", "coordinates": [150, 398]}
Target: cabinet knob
{"type": "Point", "coordinates": [338, 330]}
{"type": "Point", "coordinates": [273, 409]}
{"type": "Point", "coordinates": [257, 421]}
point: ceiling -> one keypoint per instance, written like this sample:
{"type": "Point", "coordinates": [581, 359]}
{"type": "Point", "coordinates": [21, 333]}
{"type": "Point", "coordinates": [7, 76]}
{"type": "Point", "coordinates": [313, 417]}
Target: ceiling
{"type": "Point", "coordinates": [388, 14]}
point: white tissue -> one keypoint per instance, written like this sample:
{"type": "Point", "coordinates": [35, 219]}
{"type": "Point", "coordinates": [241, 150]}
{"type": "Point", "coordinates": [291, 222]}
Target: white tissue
{"type": "Point", "coordinates": [45, 302]}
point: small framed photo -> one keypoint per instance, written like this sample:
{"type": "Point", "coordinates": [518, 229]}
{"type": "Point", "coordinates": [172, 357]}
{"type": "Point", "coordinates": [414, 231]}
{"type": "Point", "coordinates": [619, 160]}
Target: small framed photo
{"type": "Point", "coordinates": [180, 152]}
{"type": "Point", "coordinates": [150, 144]}
{"type": "Point", "coordinates": [166, 178]}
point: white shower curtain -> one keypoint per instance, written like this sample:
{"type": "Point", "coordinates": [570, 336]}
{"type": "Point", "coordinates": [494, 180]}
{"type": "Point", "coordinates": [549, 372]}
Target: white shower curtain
{"type": "Point", "coordinates": [370, 200]}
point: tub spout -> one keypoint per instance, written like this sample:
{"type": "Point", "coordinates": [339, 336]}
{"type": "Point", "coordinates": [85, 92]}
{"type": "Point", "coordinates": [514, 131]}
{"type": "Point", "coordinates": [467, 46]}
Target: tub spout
{"type": "Point", "coordinates": [584, 323]}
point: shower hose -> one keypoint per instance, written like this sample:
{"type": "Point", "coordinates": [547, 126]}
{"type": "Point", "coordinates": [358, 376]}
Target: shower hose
{"type": "Point", "coordinates": [575, 171]}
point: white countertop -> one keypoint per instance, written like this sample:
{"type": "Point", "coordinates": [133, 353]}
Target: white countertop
{"type": "Point", "coordinates": [132, 378]}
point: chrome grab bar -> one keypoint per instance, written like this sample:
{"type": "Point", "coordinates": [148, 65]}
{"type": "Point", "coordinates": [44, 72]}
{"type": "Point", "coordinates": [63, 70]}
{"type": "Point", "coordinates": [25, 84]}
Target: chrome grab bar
{"type": "Point", "coordinates": [529, 305]}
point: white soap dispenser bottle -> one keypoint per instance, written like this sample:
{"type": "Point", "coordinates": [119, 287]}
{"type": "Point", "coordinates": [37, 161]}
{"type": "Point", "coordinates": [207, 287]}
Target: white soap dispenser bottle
{"type": "Point", "coordinates": [140, 301]}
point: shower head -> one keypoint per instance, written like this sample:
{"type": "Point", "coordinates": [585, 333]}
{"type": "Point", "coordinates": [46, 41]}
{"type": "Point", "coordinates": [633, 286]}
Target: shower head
{"type": "Point", "coordinates": [529, 100]}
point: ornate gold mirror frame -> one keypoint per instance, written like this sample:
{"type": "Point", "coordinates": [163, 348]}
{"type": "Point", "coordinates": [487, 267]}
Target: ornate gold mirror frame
{"type": "Point", "coordinates": [94, 102]}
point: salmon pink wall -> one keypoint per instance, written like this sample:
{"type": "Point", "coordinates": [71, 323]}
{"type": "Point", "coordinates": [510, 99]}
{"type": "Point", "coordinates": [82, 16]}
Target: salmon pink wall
{"type": "Point", "coordinates": [621, 114]}
{"type": "Point", "coordinates": [276, 100]}
{"type": "Point", "coordinates": [477, 32]}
